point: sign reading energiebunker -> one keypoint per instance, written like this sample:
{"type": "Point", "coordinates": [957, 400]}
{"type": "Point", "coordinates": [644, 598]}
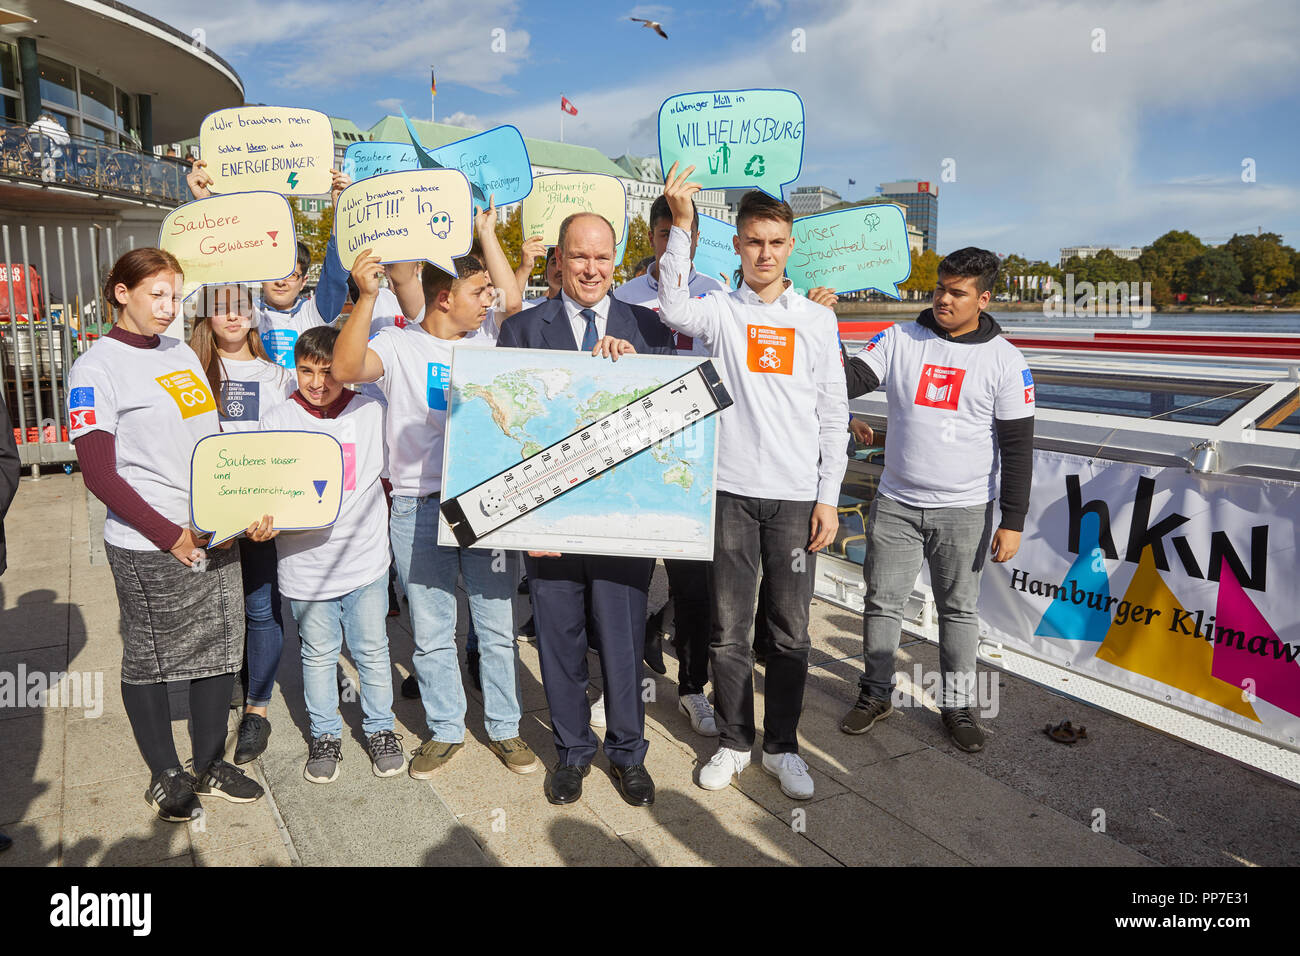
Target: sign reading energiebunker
{"type": "Point", "coordinates": [235, 479]}
{"type": "Point", "coordinates": [283, 148]}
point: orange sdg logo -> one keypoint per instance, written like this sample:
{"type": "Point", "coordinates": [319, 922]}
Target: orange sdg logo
{"type": "Point", "coordinates": [771, 350]}
{"type": "Point", "coordinates": [190, 394]}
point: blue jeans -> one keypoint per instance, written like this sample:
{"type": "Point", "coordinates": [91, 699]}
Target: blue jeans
{"type": "Point", "coordinates": [954, 541]}
{"type": "Point", "coordinates": [264, 626]}
{"type": "Point", "coordinates": [428, 574]}
{"type": "Point", "coordinates": [361, 616]}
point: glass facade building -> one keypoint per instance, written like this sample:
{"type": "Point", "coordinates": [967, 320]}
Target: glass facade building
{"type": "Point", "coordinates": [921, 200]}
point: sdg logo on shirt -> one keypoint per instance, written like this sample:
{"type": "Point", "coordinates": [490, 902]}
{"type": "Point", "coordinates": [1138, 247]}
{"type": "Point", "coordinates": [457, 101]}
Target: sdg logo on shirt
{"type": "Point", "coordinates": [439, 381]}
{"type": "Point", "coordinates": [239, 401]}
{"type": "Point", "coordinates": [279, 343]}
{"type": "Point", "coordinates": [190, 395]}
{"type": "Point", "coordinates": [771, 351]}
{"type": "Point", "coordinates": [1028, 378]}
{"type": "Point", "coordinates": [939, 387]}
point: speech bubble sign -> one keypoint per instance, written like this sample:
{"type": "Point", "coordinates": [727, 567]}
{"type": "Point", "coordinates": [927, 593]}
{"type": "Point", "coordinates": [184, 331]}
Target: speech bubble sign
{"type": "Point", "coordinates": [851, 249]}
{"type": "Point", "coordinates": [734, 137]}
{"type": "Point", "coordinates": [363, 160]}
{"type": "Point", "coordinates": [281, 148]}
{"type": "Point", "coordinates": [235, 479]}
{"type": "Point", "coordinates": [240, 237]}
{"type": "Point", "coordinates": [422, 214]}
{"type": "Point", "coordinates": [558, 195]}
{"type": "Point", "coordinates": [495, 162]}
{"type": "Point", "coordinates": [715, 255]}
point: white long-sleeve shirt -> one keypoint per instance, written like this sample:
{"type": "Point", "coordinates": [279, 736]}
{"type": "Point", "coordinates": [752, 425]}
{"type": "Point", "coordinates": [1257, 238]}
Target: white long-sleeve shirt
{"type": "Point", "coordinates": [784, 437]}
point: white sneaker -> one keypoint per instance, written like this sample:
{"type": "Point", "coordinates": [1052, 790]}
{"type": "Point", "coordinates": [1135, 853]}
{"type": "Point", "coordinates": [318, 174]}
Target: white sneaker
{"type": "Point", "coordinates": [598, 712]}
{"type": "Point", "coordinates": [793, 774]}
{"type": "Point", "coordinates": [722, 767]}
{"type": "Point", "coordinates": [700, 711]}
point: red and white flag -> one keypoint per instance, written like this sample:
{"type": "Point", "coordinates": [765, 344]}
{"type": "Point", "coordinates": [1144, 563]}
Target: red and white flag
{"type": "Point", "coordinates": [567, 106]}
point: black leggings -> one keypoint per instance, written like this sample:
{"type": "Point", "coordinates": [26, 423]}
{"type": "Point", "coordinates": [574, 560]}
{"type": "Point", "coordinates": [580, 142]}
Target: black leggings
{"type": "Point", "coordinates": [150, 714]}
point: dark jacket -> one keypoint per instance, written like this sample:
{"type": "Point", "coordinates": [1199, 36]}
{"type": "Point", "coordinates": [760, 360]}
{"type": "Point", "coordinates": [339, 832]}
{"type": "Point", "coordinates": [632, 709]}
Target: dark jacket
{"type": "Point", "coordinates": [10, 470]}
{"type": "Point", "coordinates": [546, 326]}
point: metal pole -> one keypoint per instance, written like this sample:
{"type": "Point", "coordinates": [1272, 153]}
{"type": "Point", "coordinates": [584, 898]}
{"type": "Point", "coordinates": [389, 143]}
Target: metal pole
{"type": "Point", "coordinates": [81, 299]}
{"type": "Point", "coordinates": [65, 342]}
{"type": "Point", "coordinates": [93, 245]}
{"type": "Point", "coordinates": [31, 332]}
{"type": "Point", "coordinates": [13, 340]}
{"type": "Point", "coordinates": [56, 407]}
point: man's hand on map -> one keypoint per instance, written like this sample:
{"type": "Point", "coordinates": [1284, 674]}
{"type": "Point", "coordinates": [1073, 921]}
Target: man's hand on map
{"type": "Point", "coordinates": [611, 348]}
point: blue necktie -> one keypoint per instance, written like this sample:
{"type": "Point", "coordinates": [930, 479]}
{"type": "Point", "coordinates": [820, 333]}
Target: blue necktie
{"type": "Point", "coordinates": [589, 336]}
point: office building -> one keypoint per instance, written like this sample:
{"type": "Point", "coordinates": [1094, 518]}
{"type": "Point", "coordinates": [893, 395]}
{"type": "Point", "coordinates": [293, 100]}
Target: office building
{"type": "Point", "coordinates": [920, 199]}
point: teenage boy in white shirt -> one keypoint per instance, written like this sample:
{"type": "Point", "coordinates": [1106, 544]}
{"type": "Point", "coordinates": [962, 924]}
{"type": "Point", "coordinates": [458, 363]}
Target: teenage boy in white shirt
{"type": "Point", "coordinates": [336, 578]}
{"type": "Point", "coordinates": [781, 460]}
{"type": "Point", "coordinates": [687, 580]}
{"type": "Point", "coordinates": [961, 408]}
{"type": "Point", "coordinates": [412, 367]}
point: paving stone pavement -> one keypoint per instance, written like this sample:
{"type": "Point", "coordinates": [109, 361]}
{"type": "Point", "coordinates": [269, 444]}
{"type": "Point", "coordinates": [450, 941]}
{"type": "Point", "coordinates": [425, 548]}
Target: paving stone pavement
{"type": "Point", "coordinates": [72, 789]}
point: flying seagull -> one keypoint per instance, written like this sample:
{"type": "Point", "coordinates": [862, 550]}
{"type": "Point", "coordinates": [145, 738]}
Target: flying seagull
{"type": "Point", "coordinates": [654, 25]}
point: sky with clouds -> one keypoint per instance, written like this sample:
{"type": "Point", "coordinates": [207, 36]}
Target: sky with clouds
{"type": "Point", "coordinates": [1052, 142]}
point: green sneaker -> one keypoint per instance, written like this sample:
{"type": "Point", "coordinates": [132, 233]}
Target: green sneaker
{"type": "Point", "coordinates": [430, 756]}
{"type": "Point", "coordinates": [515, 754]}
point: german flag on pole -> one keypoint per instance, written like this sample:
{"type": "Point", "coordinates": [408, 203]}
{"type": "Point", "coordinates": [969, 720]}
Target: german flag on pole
{"type": "Point", "coordinates": [433, 82]}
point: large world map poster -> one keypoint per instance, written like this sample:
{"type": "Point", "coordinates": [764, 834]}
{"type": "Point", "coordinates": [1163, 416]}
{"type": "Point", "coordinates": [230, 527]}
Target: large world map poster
{"type": "Point", "coordinates": [507, 404]}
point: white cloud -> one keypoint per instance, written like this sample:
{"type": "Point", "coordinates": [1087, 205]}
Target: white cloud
{"type": "Point", "coordinates": [392, 104]}
{"type": "Point", "coordinates": [459, 118]}
{"type": "Point", "coordinates": [332, 43]}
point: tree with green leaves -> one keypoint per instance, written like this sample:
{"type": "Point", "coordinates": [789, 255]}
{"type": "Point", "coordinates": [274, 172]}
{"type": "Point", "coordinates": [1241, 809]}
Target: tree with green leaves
{"type": "Point", "coordinates": [315, 232]}
{"type": "Point", "coordinates": [639, 247]}
{"type": "Point", "coordinates": [1167, 259]}
{"type": "Point", "coordinates": [925, 273]}
{"type": "Point", "coordinates": [1213, 273]}
{"type": "Point", "coordinates": [1266, 265]}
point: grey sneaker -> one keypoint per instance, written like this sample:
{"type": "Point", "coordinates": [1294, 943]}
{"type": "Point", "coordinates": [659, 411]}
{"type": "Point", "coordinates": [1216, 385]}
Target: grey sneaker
{"type": "Point", "coordinates": [961, 727]}
{"type": "Point", "coordinates": [386, 756]}
{"type": "Point", "coordinates": [865, 713]}
{"type": "Point", "coordinates": [323, 759]}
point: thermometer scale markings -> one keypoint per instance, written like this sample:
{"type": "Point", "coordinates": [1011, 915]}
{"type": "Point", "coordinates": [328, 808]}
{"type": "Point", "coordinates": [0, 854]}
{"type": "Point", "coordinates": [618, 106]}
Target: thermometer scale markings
{"type": "Point", "coordinates": [618, 436]}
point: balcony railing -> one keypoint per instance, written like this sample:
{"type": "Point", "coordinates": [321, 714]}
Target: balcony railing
{"type": "Point", "coordinates": [90, 164]}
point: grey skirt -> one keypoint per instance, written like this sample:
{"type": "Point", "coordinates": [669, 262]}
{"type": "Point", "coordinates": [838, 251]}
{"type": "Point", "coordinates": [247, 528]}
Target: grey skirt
{"type": "Point", "coordinates": [178, 624]}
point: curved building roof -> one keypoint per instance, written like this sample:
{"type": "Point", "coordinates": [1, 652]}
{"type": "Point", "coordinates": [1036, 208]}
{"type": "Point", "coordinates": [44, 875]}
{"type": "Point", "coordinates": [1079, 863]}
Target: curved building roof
{"type": "Point", "coordinates": [137, 53]}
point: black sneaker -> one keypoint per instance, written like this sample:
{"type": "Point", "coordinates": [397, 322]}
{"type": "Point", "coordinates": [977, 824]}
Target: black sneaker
{"type": "Point", "coordinates": [865, 713]}
{"type": "Point", "coordinates": [254, 732]}
{"type": "Point", "coordinates": [961, 727]}
{"type": "Point", "coordinates": [528, 632]}
{"type": "Point", "coordinates": [471, 664]}
{"type": "Point", "coordinates": [411, 687]}
{"type": "Point", "coordinates": [171, 795]}
{"type": "Point", "coordinates": [228, 782]}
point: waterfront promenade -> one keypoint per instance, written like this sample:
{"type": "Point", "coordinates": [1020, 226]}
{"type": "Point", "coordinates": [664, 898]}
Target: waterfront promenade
{"type": "Point", "coordinates": [72, 785]}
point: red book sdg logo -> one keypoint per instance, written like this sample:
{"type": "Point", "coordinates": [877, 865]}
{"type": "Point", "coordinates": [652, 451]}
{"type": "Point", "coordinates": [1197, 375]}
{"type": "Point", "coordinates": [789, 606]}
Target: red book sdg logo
{"type": "Point", "coordinates": [939, 387]}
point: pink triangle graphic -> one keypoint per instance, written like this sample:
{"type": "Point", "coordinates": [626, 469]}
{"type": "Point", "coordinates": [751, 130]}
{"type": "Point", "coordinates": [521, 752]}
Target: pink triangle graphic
{"type": "Point", "coordinates": [1277, 681]}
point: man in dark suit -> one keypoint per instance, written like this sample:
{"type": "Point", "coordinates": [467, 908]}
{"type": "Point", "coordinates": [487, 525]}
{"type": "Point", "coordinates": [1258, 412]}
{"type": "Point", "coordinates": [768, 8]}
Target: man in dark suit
{"type": "Point", "coordinates": [584, 316]}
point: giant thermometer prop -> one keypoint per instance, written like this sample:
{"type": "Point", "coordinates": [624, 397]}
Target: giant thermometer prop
{"type": "Point", "coordinates": [618, 436]}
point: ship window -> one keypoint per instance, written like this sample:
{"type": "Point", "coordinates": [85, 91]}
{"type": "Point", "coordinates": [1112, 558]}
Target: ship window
{"type": "Point", "coordinates": [1189, 401]}
{"type": "Point", "coordinates": [1284, 416]}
